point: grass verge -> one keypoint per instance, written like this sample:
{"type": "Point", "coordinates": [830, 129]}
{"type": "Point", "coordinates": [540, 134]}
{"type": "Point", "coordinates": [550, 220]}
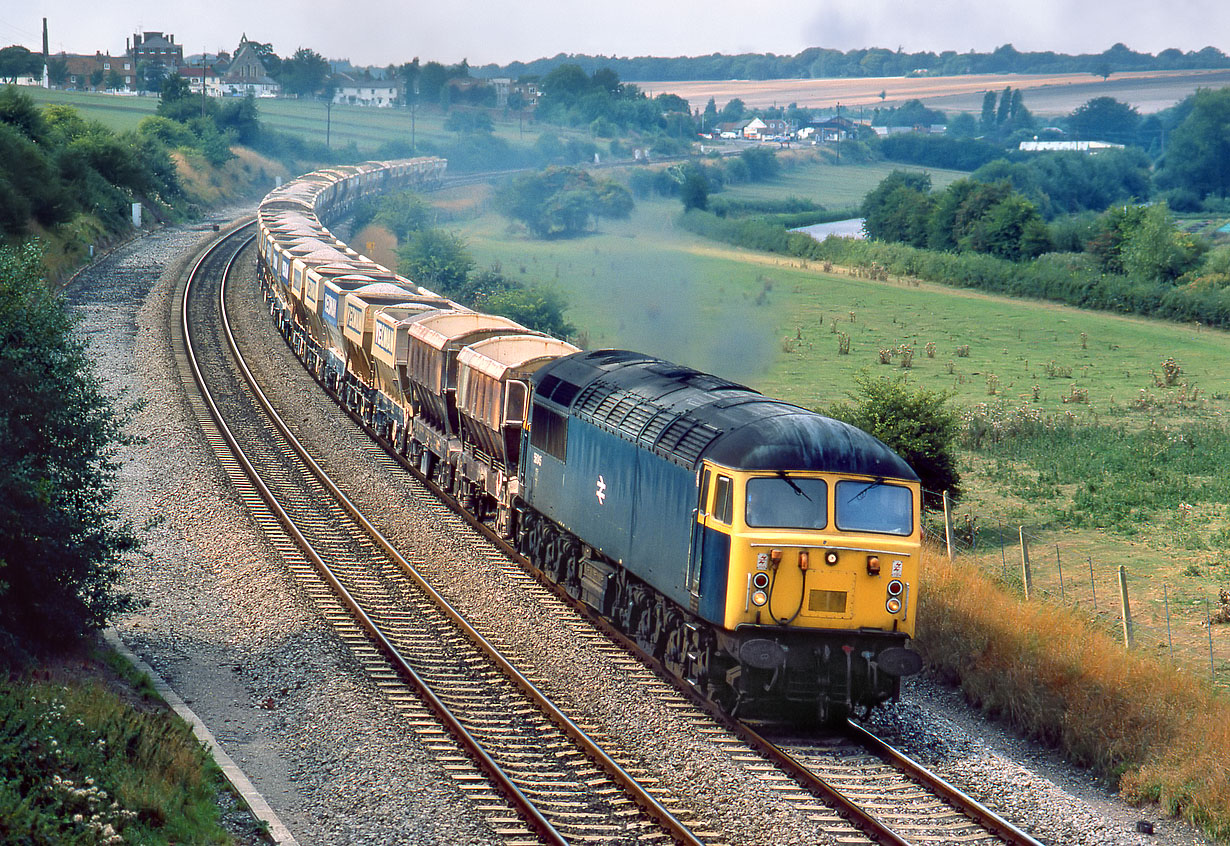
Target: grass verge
{"type": "Point", "coordinates": [81, 763]}
{"type": "Point", "coordinates": [1158, 734]}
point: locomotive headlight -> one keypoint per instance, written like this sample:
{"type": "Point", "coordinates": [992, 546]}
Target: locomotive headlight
{"type": "Point", "coordinates": [760, 581]}
{"type": "Point", "coordinates": [760, 597]}
{"type": "Point", "coordinates": [830, 557]}
{"type": "Point", "coordinates": [893, 605]}
{"type": "Point", "coordinates": [895, 587]}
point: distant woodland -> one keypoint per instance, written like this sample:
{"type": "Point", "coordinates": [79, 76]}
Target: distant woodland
{"type": "Point", "coordinates": [817, 62]}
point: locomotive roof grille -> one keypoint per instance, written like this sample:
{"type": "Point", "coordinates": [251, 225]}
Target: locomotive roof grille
{"type": "Point", "coordinates": [684, 415]}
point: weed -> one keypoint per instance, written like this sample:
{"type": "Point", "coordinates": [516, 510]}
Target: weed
{"type": "Point", "coordinates": [1057, 371]}
{"type": "Point", "coordinates": [843, 344]}
{"type": "Point", "coordinates": [963, 351]}
{"type": "Point", "coordinates": [992, 384]}
{"type": "Point", "coordinates": [930, 348]}
{"type": "Point", "coordinates": [1075, 394]}
{"type": "Point", "coordinates": [1171, 371]}
{"type": "Point", "coordinates": [906, 353]}
{"type": "Point", "coordinates": [886, 356]}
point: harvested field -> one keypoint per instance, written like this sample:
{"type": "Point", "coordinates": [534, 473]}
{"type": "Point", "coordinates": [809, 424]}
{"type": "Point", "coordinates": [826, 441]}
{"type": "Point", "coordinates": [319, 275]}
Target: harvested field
{"type": "Point", "coordinates": [1045, 94]}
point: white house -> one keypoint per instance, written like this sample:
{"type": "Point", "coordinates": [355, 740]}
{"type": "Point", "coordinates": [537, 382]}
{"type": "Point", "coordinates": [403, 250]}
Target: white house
{"type": "Point", "coordinates": [380, 93]}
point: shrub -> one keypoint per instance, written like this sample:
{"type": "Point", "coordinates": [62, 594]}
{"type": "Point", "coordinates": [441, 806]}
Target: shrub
{"type": "Point", "coordinates": [916, 423]}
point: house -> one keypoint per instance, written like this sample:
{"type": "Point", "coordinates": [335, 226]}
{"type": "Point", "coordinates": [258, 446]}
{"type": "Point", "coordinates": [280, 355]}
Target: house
{"type": "Point", "coordinates": [829, 131]}
{"type": "Point", "coordinates": [246, 74]}
{"type": "Point", "coordinates": [731, 129]}
{"type": "Point", "coordinates": [154, 48]}
{"type": "Point", "coordinates": [758, 129]}
{"type": "Point", "coordinates": [93, 73]}
{"type": "Point", "coordinates": [195, 74]}
{"type": "Point", "coordinates": [364, 91]}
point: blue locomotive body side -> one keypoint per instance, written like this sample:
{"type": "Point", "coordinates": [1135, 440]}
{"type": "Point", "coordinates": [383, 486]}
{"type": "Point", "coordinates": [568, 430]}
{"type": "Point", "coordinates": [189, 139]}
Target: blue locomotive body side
{"type": "Point", "coordinates": [633, 506]}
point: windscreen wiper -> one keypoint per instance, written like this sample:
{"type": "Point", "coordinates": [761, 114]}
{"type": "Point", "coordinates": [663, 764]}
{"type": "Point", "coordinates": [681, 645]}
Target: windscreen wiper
{"type": "Point", "coordinates": [781, 474]}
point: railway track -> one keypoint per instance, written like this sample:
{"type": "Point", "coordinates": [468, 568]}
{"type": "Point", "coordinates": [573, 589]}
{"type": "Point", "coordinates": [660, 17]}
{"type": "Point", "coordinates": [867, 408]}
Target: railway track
{"type": "Point", "coordinates": [530, 767]}
{"type": "Point", "coordinates": [832, 782]}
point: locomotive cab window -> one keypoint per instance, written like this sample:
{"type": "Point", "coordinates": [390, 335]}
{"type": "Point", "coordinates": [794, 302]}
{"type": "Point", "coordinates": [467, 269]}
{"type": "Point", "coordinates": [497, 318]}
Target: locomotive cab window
{"type": "Point", "coordinates": [787, 502]}
{"type": "Point", "coordinates": [723, 500]}
{"type": "Point", "coordinates": [704, 493]}
{"type": "Point", "coordinates": [874, 507]}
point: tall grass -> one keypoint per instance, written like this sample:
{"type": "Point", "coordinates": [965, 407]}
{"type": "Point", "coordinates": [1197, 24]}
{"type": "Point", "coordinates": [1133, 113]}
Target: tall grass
{"type": "Point", "coordinates": [1158, 734]}
{"type": "Point", "coordinates": [79, 765]}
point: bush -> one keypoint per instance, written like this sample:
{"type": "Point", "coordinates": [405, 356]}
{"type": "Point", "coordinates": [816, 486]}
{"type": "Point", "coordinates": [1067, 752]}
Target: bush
{"type": "Point", "coordinates": [61, 540]}
{"type": "Point", "coordinates": [916, 423]}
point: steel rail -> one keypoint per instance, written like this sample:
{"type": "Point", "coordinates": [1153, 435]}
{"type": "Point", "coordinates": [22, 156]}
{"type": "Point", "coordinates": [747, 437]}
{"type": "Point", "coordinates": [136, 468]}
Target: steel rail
{"type": "Point", "coordinates": [648, 803]}
{"type": "Point", "coordinates": [951, 794]}
{"type": "Point", "coordinates": [536, 820]}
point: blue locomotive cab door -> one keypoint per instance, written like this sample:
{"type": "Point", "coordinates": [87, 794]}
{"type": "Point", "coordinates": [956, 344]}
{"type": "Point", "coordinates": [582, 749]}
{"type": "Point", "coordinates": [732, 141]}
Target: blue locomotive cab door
{"type": "Point", "coordinates": [710, 558]}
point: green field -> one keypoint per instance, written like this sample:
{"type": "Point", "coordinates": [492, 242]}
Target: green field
{"type": "Point", "coordinates": [367, 128]}
{"type": "Point", "coordinates": [774, 323]}
{"type": "Point", "coordinates": [769, 320]}
{"type": "Point", "coordinates": [833, 186]}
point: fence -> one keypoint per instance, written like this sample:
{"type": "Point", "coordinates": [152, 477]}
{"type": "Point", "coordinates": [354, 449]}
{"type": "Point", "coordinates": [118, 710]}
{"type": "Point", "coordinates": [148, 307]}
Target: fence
{"type": "Point", "coordinates": [1184, 621]}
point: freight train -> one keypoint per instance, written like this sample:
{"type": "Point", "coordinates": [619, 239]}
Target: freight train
{"type": "Point", "coordinates": [765, 554]}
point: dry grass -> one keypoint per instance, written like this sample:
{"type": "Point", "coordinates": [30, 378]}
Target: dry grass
{"type": "Point", "coordinates": [1161, 735]}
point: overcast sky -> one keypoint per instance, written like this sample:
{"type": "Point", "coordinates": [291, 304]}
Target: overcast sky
{"type": "Point", "coordinates": [378, 32]}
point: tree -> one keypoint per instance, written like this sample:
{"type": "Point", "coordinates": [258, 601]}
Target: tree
{"type": "Point", "coordinates": [694, 191]}
{"type": "Point", "coordinates": [893, 210]}
{"type": "Point", "coordinates": [917, 424]}
{"type": "Point", "coordinates": [562, 201]}
{"type": "Point", "coordinates": [709, 118]}
{"type": "Point", "coordinates": [114, 81]}
{"type": "Point", "coordinates": [305, 73]}
{"type": "Point", "coordinates": [987, 121]}
{"type": "Point", "coordinates": [535, 307]}
{"type": "Point", "coordinates": [403, 213]}
{"type": "Point", "coordinates": [732, 111]}
{"type": "Point", "coordinates": [61, 539]}
{"type": "Point", "coordinates": [436, 259]}
{"type": "Point", "coordinates": [1155, 251]}
{"type": "Point", "coordinates": [18, 61]}
{"type": "Point", "coordinates": [468, 122]}
{"type": "Point", "coordinates": [1198, 155]}
{"type": "Point", "coordinates": [57, 70]}
{"type": "Point", "coordinates": [1105, 119]}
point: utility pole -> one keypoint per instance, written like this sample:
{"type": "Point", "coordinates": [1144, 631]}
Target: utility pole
{"type": "Point", "coordinates": [414, 105]}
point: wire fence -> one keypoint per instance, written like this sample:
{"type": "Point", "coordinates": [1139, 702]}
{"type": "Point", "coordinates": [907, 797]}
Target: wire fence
{"type": "Point", "coordinates": [1183, 621]}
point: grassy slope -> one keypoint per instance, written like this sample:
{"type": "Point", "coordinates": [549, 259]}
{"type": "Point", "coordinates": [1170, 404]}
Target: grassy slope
{"type": "Point", "coordinates": [767, 321]}
{"type": "Point", "coordinates": [368, 128]}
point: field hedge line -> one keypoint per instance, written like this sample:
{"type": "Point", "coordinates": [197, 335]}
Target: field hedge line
{"type": "Point", "coordinates": [1067, 278]}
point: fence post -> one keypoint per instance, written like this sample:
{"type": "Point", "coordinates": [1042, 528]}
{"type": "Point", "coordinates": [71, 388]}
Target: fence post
{"type": "Point", "coordinates": [1059, 566]}
{"type": "Point", "coordinates": [1003, 555]}
{"type": "Point", "coordinates": [1092, 587]}
{"type": "Point", "coordinates": [948, 526]}
{"type": "Point", "coordinates": [1127, 612]}
{"type": "Point", "coordinates": [1025, 576]}
{"type": "Point", "coordinates": [1166, 605]}
{"type": "Point", "coordinates": [1208, 621]}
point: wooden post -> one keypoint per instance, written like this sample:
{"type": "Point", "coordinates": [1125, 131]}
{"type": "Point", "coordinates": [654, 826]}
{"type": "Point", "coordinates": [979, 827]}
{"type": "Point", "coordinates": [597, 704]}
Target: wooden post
{"type": "Point", "coordinates": [948, 526]}
{"type": "Point", "coordinates": [1127, 611]}
{"type": "Point", "coordinates": [1208, 622]}
{"type": "Point", "coordinates": [1093, 589]}
{"type": "Point", "coordinates": [1026, 579]}
{"type": "Point", "coordinates": [1166, 605]}
{"type": "Point", "coordinates": [1059, 566]}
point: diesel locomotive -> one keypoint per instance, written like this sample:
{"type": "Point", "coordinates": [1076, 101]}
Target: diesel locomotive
{"type": "Point", "coordinates": [765, 554]}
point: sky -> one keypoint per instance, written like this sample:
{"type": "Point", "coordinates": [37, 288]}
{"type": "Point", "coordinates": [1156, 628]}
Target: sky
{"type": "Point", "coordinates": [379, 32]}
